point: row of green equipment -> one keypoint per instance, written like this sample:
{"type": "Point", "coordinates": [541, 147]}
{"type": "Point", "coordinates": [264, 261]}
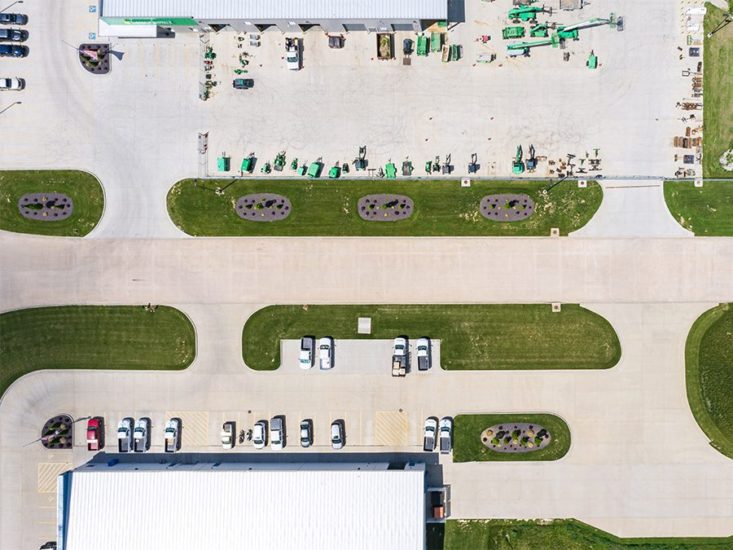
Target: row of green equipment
{"type": "Point", "coordinates": [518, 164]}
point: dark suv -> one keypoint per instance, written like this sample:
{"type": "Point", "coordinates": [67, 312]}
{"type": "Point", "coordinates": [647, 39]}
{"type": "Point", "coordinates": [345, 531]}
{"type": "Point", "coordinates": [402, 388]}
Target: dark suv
{"type": "Point", "coordinates": [7, 50]}
{"type": "Point", "coordinates": [12, 35]}
{"type": "Point", "coordinates": [13, 19]}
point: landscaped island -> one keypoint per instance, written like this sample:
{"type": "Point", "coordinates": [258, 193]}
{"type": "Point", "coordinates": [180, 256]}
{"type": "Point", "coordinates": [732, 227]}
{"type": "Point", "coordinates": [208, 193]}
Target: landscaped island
{"type": "Point", "coordinates": [435, 207]}
{"type": "Point", "coordinates": [473, 337]}
{"type": "Point", "coordinates": [709, 376]}
{"type": "Point", "coordinates": [513, 437]}
{"type": "Point", "coordinates": [50, 202]}
{"type": "Point", "coordinates": [94, 337]}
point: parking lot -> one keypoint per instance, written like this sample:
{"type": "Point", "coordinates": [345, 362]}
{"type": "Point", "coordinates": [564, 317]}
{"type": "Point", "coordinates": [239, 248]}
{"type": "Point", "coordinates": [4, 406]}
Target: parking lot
{"type": "Point", "coordinates": [137, 127]}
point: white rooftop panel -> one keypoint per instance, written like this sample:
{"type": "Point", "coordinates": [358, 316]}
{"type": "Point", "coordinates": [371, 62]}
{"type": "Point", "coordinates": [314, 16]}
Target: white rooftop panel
{"type": "Point", "coordinates": [280, 9]}
{"type": "Point", "coordinates": [221, 510]}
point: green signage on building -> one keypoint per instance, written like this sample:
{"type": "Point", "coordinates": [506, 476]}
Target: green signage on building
{"type": "Point", "coordinates": [163, 21]}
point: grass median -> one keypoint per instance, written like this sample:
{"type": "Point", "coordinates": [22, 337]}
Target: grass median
{"type": "Point", "coordinates": [709, 377]}
{"type": "Point", "coordinates": [84, 190]}
{"type": "Point", "coordinates": [468, 447]}
{"type": "Point", "coordinates": [562, 534]}
{"type": "Point", "coordinates": [329, 207]}
{"type": "Point", "coordinates": [93, 337]}
{"type": "Point", "coordinates": [473, 337]}
{"type": "Point", "coordinates": [706, 211]}
{"type": "Point", "coordinates": [718, 85]}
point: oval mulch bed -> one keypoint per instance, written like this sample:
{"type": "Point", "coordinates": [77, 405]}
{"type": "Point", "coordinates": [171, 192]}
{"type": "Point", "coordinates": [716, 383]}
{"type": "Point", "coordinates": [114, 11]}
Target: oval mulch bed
{"type": "Point", "coordinates": [507, 207]}
{"type": "Point", "coordinates": [48, 207]}
{"type": "Point", "coordinates": [385, 207]}
{"type": "Point", "coordinates": [58, 432]}
{"type": "Point", "coordinates": [263, 207]}
{"type": "Point", "coordinates": [519, 437]}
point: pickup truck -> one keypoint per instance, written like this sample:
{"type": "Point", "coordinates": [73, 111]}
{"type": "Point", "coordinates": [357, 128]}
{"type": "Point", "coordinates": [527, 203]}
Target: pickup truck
{"type": "Point", "coordinates": [124, 435]}
{"type": "Point", "coordinates": [95, 434]}
{"type": "Point", "coordinates": [172, 435]}
{"type": "Point", "coordinates": [292, 53]}
{"type": "Point", "coordinates": [429, 432]}
{"type": "Point", "coordinates": [400, 357]}
{"type": "Point", "coordinates": [141, 435]}
{"type": "Point", "coordinates": [305, 359]}
{"type": "Point", "coordinates": [228, 430]}
{"type": "Point", "coordinates": [423, 353]}
{"type": "Point", "coordinates": [446, 435]}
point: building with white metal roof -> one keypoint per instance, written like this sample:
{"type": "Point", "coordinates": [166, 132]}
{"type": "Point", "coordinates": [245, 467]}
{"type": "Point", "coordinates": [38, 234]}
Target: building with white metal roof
{"type": "Point", "coordinates": [219, 506]}
{"type": "Point", "coordinates": [286, 15]}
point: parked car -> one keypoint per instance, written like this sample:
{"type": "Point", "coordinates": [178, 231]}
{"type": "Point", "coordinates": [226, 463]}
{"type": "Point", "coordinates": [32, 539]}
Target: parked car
{"type": "Point", "coordinates": [12, 35]}
{"type": "Point", "coordinates": [172, 435]}
{"type": "Point", "coordinates": [430, 430]}
{"type": "Point", "coordinates": [95, 434]}
{"type": "Point", "coordinates": [292, 53]}
{"type": "Point", "coordinates": [11, 84]}
{"type": "Point", "coordinates": [337, 434]}
{"type": "Point", "coordinates": [124, 435]}
{"type": "Point", "coordinates": [141, 435]}
{"type": "Point", "coordinates": [325, 352]}
{"type": "Point", "coordinates": [307, 343]}
{"type": "Point", "coordinates": [306, 432]}
{"type": "Point", "coordinates": [13, 19]}
{"type": "Point", "coordinates": [228, 430]}
{"type": "Point", "coordinates": [242, 83]}
{"type": "Point", "coordinates": [259, 435]}
{"type": "Point", "coordinates": [277, 433]}
{"type": "Point", "coordinates": [446, 434]}
{"type": "Point", "coordinates": [13, 50]}
{"type": "Point", "coordinates": [423, 353]}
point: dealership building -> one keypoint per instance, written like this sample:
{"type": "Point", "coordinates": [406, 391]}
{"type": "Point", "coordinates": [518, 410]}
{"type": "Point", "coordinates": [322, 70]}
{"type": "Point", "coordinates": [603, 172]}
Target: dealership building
{"type": "Point", "coordinates": [147, 17]}
{"type": "Point", "coordinates": [109, 504]}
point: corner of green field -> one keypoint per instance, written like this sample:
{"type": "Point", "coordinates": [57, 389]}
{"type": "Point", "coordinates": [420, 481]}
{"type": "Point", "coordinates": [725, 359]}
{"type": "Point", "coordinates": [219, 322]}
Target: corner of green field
{"type": "Point", "coordinates": [468, 446]}
{"type": "Point", "coordinates": [708, 379]}
{"type": "Point", "coordinates": [94, 337]}
{"type": "Point", "coordinates": [707, 211]}
{"type": "Point", "coordinates": [83, 188]}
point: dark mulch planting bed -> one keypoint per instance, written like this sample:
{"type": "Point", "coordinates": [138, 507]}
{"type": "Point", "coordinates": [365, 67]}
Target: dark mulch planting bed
{"type": "Point", "coordinates": [58, 432]}
{"type": "Point", "coordinates": [385, 207]}
{"type": "Point", "coordinates": [95, 66]}
{"type": "Point", "coordinates": [519, 437]}
{"type": "Point", "coordinates": [263, 207]}
{"type": "Point", "coordinates": [507, 207]}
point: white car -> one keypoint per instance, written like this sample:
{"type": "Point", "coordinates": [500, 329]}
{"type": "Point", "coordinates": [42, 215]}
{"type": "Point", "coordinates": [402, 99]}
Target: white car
{"type": "Point", "coordinates": [305, 359]}
{"type": "Point", "coordinates": [399, 348]}
{"type": "Point", "coordinates": [11, 84]}
{"type": "Point", "coordinates": [306, 433]}
{"type": "Point", "coordinates": [259, 435]}
{"type": "Point", "coordinates": [446, 434]}
{"type": "Point", "coordinates": [429, 432]}
{"type": "Point", "coordinates": [325, 352]}
{"type": "Point", "coordinates": [277, 433]}
{"type": "Point", "coordinates": [141, 435]}
{"type": "Point", "coordinates": [227, 435]}
{"type": "Point", "coordinates": [337, 434]}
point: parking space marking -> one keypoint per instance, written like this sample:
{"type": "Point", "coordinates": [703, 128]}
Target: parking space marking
{"type": "Point", "coordinates": [48, 472]}
{"type": "Point", "coordinates": [195, 429]}
{"type": "Point", "coordinates": [391, 428]}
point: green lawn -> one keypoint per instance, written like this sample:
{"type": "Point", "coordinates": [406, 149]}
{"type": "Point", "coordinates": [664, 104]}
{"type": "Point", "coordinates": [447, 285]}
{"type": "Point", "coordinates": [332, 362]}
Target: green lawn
{"type": "Point", "coordinates": [568, 534]}
{"type": "Point", "coordinates": [718, 85]}
{"type": "Point", "coordinates": [329, 207]}
{"type": "Point", "coordinates": [93, 337]}
{"type": "Point", "coordinates": [83, 188]}
{"type": "Point", "coordinates": [706, 211]}
{"type": "Point", "coordinates": [468, 447]}
{"type": "Point", "coordinates": [709, 375]}
{"type": "Point", "coordinates": [473, 337]}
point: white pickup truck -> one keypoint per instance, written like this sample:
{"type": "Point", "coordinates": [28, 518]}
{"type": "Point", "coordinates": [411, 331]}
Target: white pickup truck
{"type": "Point", "coordinates": [292, 53]}
{"type": "Point", "coordinates": [400, 356]}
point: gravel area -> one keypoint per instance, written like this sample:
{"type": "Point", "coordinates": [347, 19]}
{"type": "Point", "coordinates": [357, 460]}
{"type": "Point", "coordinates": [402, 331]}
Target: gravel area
{"type": "Point", "coordinates": [516, 438]}
{"type": "Point", "coordinates": [263, 207]}
{"type": "Point", "coordinates": [507, 207]}
{"type": "Point", "coordinates": [385, 207]}
{"type": "Point", "coordinates": [49, 207]}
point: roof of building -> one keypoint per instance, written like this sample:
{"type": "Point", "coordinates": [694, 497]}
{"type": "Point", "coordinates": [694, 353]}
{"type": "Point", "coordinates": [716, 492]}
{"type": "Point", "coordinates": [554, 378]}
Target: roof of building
{"type": "Point", "coordinates": [218, 508]}
{"type": "Point", "coordinates": [282, 9]}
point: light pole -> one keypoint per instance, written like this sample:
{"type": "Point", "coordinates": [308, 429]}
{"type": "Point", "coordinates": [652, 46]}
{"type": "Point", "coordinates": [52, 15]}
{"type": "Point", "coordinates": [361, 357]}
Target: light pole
{"type": "Point", "coordinates": [11, 5]}
{"type": "Point", "coordinates": [11, 105]}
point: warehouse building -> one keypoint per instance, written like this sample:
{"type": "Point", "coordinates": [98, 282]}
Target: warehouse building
{"type": "Point", "coordinates": [148, 17]}
{"type": "Point", "coordinates": [112, 505]}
